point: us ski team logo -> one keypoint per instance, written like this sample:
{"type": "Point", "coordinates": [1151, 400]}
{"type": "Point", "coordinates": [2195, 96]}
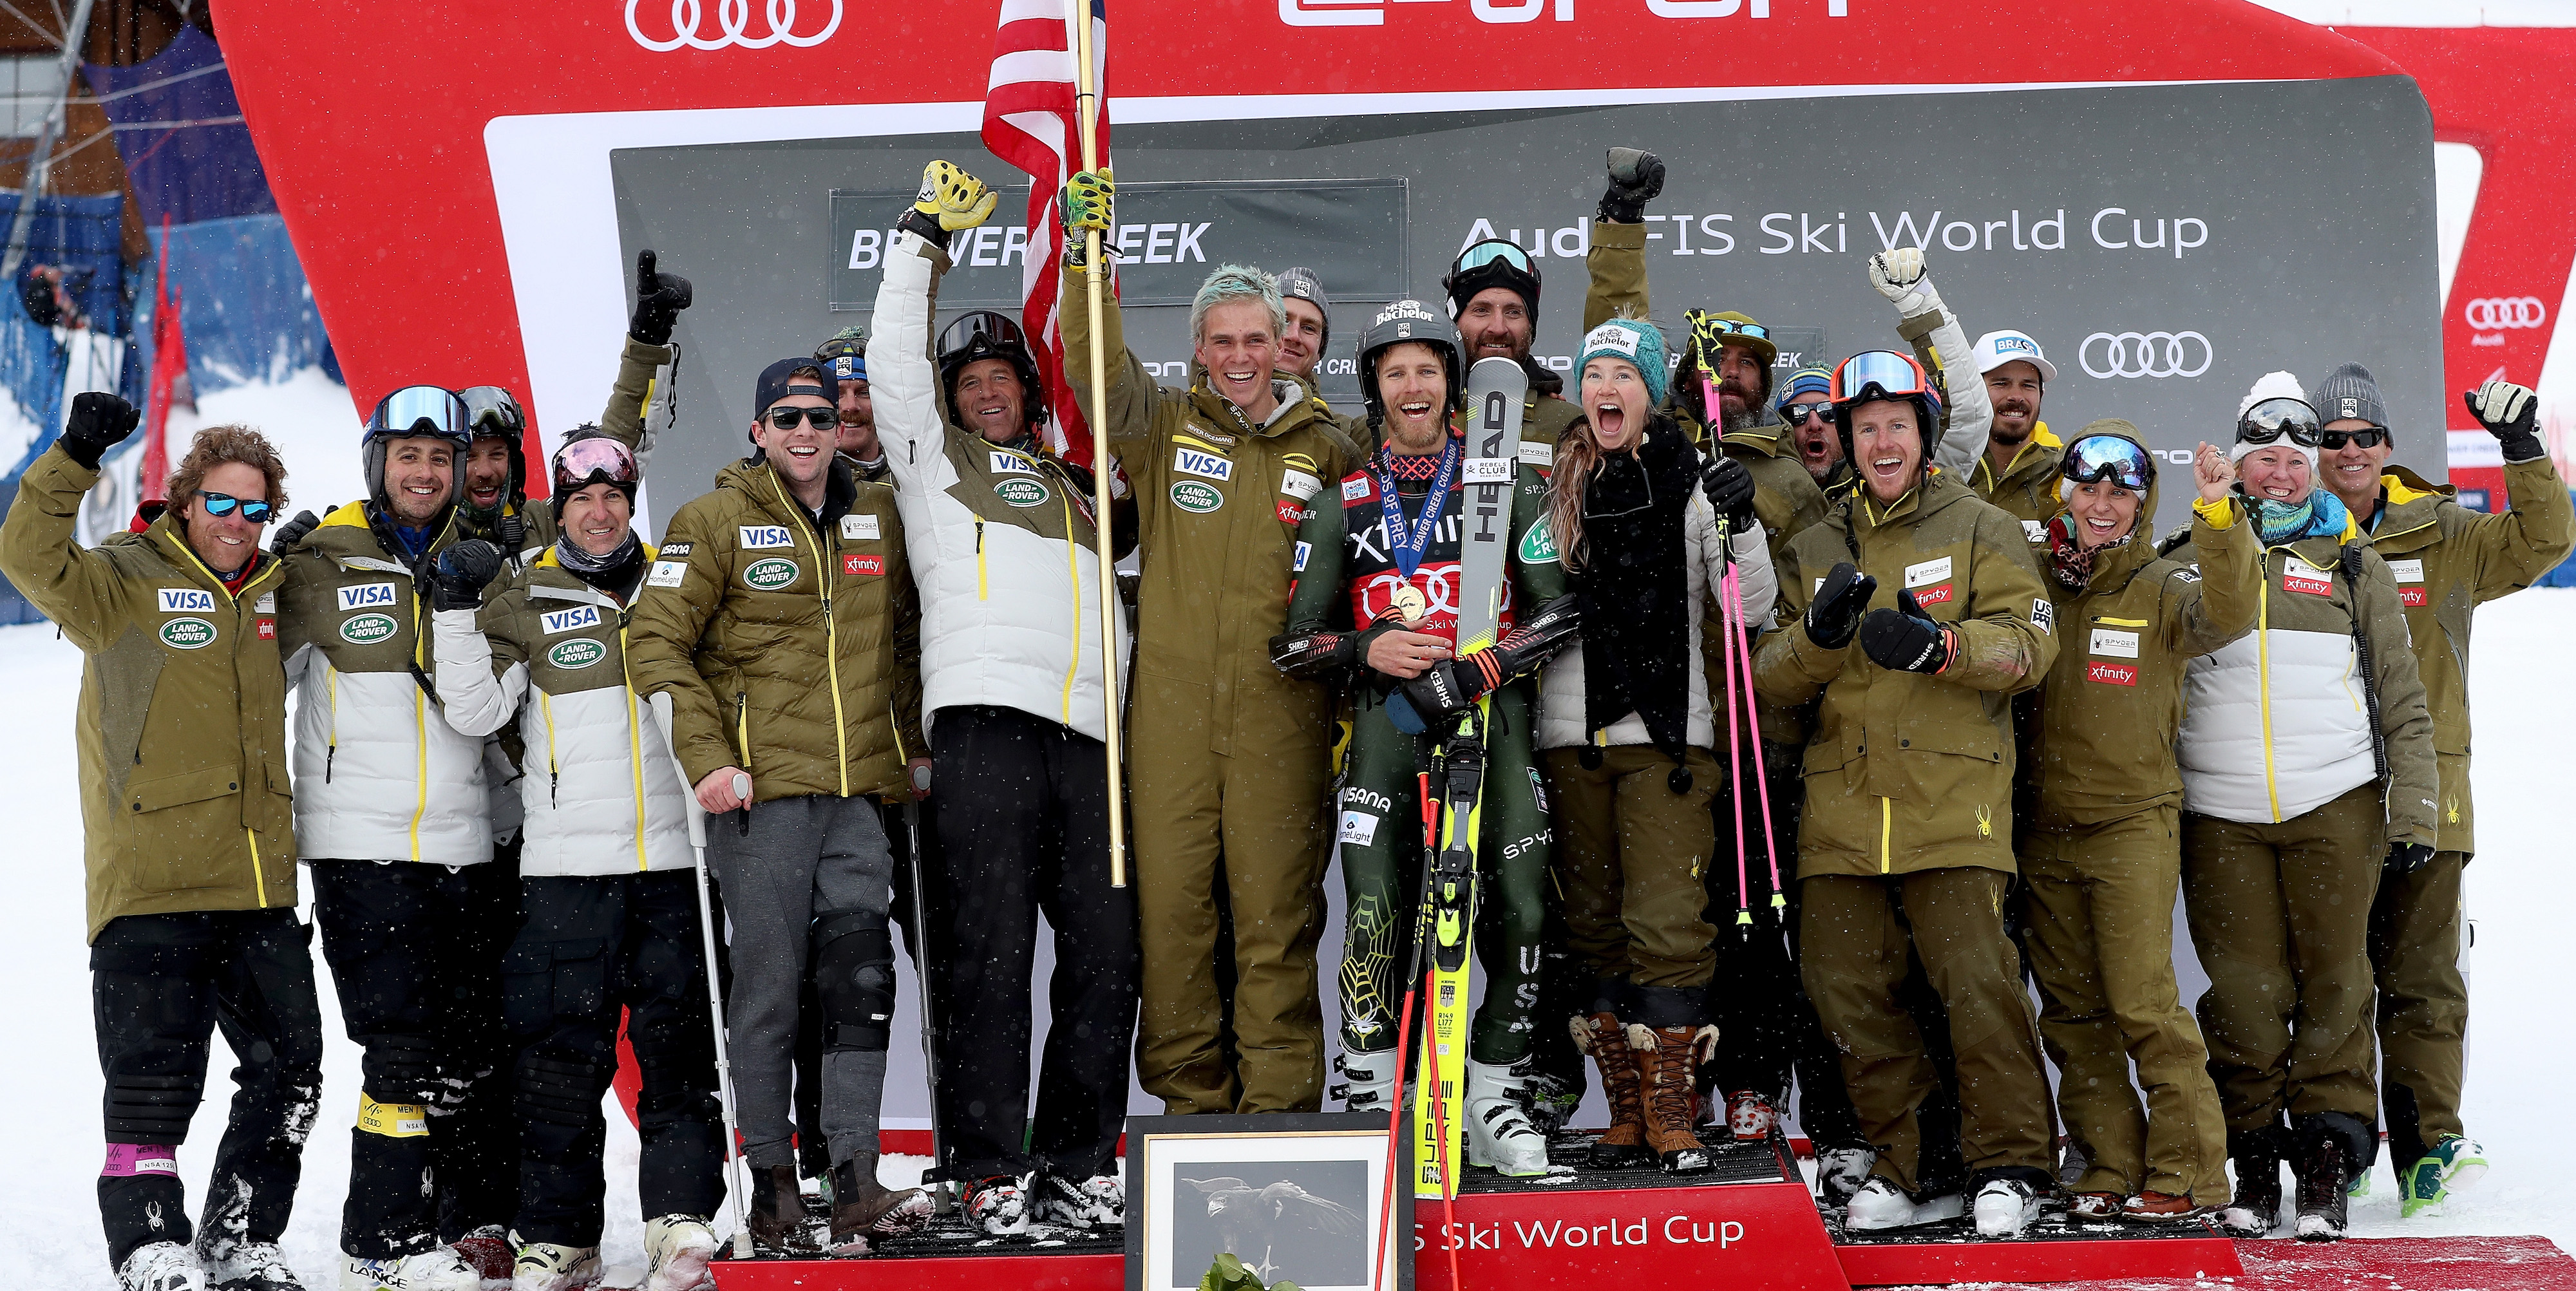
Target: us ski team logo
{"type": "Point", "coordinates": [1021, 493]}
{"type": "Point", "coordinates": [1538, 546]}
{"type": "Point", "coordinates": [367, 629]}
{"type": "Point", "coordinates": [187, 634]}
{"type": "Point", "coordinates": [580, 652]}
{"type": "Point", "coordinates": [579, 616]}
{"type": "Point", "coordinates": [1196, 497]}
{"type": "Point", "coordinates": [769, 575]}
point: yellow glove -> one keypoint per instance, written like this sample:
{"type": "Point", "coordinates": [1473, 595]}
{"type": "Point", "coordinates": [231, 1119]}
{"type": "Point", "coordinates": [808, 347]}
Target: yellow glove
{"type": "Point", "coordinates": [1086, 203]}
{"type": "Point", "coordinates": [952, 198]}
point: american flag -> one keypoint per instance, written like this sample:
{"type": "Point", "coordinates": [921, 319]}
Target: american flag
{"type": "Point", "coordinates": [1032, 122]}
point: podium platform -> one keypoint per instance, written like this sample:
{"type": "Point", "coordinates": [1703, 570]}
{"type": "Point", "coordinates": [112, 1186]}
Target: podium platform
{"type": "Point", "coordinates": [1750, 1222]}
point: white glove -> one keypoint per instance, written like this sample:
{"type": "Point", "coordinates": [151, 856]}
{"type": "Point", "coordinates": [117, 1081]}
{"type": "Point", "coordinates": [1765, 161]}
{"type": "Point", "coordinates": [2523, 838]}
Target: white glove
{"type": "Point", "coordinates": [1898, 275]}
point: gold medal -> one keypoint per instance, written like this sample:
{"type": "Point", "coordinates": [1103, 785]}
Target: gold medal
{"type": "Point", "coordinates": [1410, 603]}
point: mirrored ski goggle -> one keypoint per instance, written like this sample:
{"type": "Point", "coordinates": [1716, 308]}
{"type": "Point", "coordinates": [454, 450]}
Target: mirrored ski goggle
{"type": "Point", "coordinates": [255, 510]}
{"type": "Point", "coordinates": [2096, 458]}
{"type": "Point", "coordinates": [983, 327]}
{"type": "Point", "coordinates": [421, 410]}
{"type": "Point", "coordinates": [491, 410]}
{"type": "Point", "coordinates": [601, 460]}
{"type": "Point", "coordinates": [2271, 419]}
{"type": "Point", "coordinates": [1491, 250]}
{"type": "Point", "coordinates": [1729, 327]}
{"type": "Point", "coordinates": [1885, 371]}
{"type": "Point", "coordinates": [2334, 439]}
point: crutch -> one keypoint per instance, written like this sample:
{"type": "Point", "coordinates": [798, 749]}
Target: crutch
{"type": "Point", "coordinates": [937, 1178]}
{"type": "Point", "coordinates": [736, 1186]}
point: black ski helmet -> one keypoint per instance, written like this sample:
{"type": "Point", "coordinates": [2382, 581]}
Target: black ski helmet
{"type": "Point", "coordinates": [494, 411]}
{"type": "Point", "coordinates": [985, 334]}
{"type": "Point", "coordinates": [1409, 320]}
{"type": "Point", "coordinates": [1493, 262]}
{"type": "Point", "coordinates": [416, 412]}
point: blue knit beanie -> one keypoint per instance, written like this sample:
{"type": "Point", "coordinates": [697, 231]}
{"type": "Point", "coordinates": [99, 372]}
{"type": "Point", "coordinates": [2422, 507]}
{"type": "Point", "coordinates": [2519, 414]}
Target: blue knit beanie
{"type": "Point", "coordinates": [1806, 381]}
{"type": "Point", "coordinates": [1635, 341]}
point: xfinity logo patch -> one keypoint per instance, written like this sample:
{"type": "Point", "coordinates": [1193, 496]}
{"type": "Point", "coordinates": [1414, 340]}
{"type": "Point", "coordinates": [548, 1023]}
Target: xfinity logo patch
{"type": "Point", "coordinates": [363, 596]}
{"type": "Point", "coordinates": [579, 616]}
{"type": "Point", "coordinates": [760, 537]}
{"type": "Point", "coordinates": [186, 600]}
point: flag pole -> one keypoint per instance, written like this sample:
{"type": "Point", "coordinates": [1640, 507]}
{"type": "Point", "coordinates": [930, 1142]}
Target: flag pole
{"type": "Point", "coordinates": [1086, 95]}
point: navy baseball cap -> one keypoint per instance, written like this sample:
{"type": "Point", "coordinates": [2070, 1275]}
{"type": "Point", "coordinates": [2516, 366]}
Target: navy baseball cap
{"type": "Point", "coordinates": [778, 381]}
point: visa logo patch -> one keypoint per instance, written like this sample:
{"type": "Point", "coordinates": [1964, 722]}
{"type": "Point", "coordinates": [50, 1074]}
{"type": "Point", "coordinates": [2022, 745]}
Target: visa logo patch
{"type": "Point", "coordinates": [1008, 463]}
{"type": "Point", "coordinates": [579, 616]}
{"type": "Point", "coordinates": [364, 596]}
{"type": "Point", "coordinates": [762, 537]}
{"type": "Point", "coordinates": [190, 600]}
{"type": "Point", "coordinates": [1190, 461]}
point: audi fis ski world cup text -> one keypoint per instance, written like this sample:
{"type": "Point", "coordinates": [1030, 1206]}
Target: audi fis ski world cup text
{"type": "Point", "coordinates": [1776, 233]}
{"type": "Point", "coordinates": [1372, 13]}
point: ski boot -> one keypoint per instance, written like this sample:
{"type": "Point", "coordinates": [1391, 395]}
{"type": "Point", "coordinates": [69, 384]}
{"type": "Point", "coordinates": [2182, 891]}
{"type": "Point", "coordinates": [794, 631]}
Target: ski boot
{"type": "Point", "coordinates": [2095, 1205]}
{"type": "Point", "coordinates": [1749, 1116]}
{"type": "Point", "coordinates": [998, 1205]}
{"type": "Point", "coordinates": [863, 1209]}
{"type": "Point", "coordinates": [1499, 1137]}
{"type": "Point", "coordinates": [161, 1266]}
{"type": "Point", "coordinates": [677, 1249]}
{"type": "Point", "coordinates": [2152, 1207]}
{"type": "Point", "coordinates": [2455, 1162]}
{"type": "Point", "coordinates": [439, 1268]}
{"type": "Point", "coordinates": [1368, 1079]}
{"type": "Point", "coordinates": [1099, 1201]}
{"type": "Point", "coordinates": [232, 1264]}
{"type": "Point", "coordinates": [1665, 1056]}
{"type": "Point", "coordinates": [2005, 1208]}
{"type": "Point", "coordinates": [2257, 1206]}
{"type": "Point", "coordinates": [2322, 1178]}
{"type": "Point", "coordinates": [545, 1266]}
{"type": "Point", "coordinates": [1549, 1097]}
{"type": "Point", "coordinates": [777, 1217]}
{"type": "Point", "coordinates": [1840, 1172]}
{"type": "Point", "coordinates": [1878, 1203]}
{"type": "Point", "coordinates": [1623, 1145]}
{"type": "Point", "coordinates": [489, 1252]}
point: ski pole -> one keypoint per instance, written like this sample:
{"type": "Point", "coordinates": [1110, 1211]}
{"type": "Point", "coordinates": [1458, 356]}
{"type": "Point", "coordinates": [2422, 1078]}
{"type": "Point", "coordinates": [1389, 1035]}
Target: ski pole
{"type": "Point", "coordinates": [734, 1190]}
{"type": "Point", "coordinates": [921, 973]}
{"type": "Point", "coordinates": [1733, 602]}
{"type": "Point", "coordinates": [1414, 972]}
{"type": "Point", "coordinates": [1734, 724]}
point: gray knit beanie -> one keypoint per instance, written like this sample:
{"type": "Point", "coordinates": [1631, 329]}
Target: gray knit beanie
{"type": "Point", "coordinates": [2349, 391]}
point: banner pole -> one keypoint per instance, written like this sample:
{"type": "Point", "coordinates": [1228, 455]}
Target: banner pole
{"type": "Point", "coordinates": [1086, 97]}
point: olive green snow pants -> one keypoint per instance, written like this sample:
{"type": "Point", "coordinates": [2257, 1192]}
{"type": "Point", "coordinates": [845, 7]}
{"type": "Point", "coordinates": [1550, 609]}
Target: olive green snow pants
{"type": "Point", "coordinates": [2098, 904]}
{"type": "Point", "coordinates": [1631, 860]}
{"type": "Point", "coordinates": [2423, 1004]}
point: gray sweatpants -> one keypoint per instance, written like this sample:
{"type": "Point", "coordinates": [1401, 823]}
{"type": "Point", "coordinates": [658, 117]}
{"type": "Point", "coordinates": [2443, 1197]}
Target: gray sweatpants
{"type": "Point", "coordinates": [804, 859]}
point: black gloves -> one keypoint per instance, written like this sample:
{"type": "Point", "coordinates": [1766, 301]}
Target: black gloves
{"type": "Point", "coordinates": [283, 539]}
{"type": "Point", "coordinates": [659, 298]}
{"type": "Point", "coordinates": [2406, 858]}
{"type": "Point", "coordinates": [1729, 486]}
{"type": "Point", "coordinates": [1905, 638]}
{"type": "Point", "coordinates": [2511, 413]}
{"type": "Point", "coordinates": [99, 421]}
{"type": "Point", "coordinates": [1635, 177]}
{"type": "Point", "coordinates": [1453, 684]}
{"type": "Point", "coordinates": [456, 582]}
{"type": "Point", "coordinates": [1835, 613]}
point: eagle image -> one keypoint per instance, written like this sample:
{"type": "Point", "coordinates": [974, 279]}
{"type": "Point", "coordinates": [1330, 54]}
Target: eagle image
{"type": "Point", "coordinates": [1257, 1221]}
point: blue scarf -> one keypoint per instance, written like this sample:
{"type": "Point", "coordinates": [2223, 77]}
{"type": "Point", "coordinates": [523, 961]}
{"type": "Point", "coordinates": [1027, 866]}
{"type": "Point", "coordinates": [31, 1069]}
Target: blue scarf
{"type": "Point", "coordinates": [414, 541]}
{"type": "Point", "coordinates": [2320, 515]}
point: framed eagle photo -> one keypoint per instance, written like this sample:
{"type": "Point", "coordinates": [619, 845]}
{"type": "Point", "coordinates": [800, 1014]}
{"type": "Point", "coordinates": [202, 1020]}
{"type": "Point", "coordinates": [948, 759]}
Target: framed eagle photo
{"type": "Point", "coordinates": [1297, 1198]}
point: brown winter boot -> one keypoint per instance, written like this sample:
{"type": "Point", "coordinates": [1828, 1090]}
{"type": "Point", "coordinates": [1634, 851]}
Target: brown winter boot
{"type": "Point", "coordinates": [1666, 1058]}
{"type": "Point", "coordinates": [1623, 1145]}
{"type": "Point", "coordinates": [777, 1218]}
{"type": "Point", "coordinates": [862, 1208]}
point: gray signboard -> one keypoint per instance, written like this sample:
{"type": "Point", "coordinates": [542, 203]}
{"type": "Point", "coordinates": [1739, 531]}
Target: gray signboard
{"type": "Point", "coordinates": [1170, 234]}
{"type": "Point", "coordinates": [2163, 253]}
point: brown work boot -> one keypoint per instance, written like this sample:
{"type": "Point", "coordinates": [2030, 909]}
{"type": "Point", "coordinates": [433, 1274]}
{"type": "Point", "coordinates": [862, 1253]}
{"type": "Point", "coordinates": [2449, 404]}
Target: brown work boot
{"type": "Point", "coordinates": [863, 1209]}
{"type": "Point", "coordinates": [1666, 1057]}
{"type": "Point", "coordinates": [1623, 1145]}
{"type": "Point", "coordinates": [777, 1218]}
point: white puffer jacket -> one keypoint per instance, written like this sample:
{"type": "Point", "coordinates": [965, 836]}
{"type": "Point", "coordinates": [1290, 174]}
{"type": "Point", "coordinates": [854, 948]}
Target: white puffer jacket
{"type": "Point", "coordinates": [1000, 544]}
{"type": "Point", "coordinates": [1560, 713]}
{"type": "Point", "coordinates": [2309, 700]}
{"type": "Point", "coordinates": [602, 794]}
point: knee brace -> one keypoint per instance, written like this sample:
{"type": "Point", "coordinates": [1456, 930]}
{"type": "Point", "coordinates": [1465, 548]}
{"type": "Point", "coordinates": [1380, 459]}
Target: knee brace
{"type": "Point", "coordinates": [153, 1109]}
{"type": "Point", "coordinates": [554, 1089]}
{"type": "Point", "coordinates": [854, 981]}
{"type": "Point", "coordinates": [401, 1069]}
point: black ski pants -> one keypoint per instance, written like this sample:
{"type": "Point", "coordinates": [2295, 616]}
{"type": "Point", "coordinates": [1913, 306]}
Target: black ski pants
{"type": "Point", "coordinates": [1024, 828]}
{"type": "Point", "coordinates": [160, 984]}
{"type": "Point", "coordinates": [591, 948]}
{"type": "Point", "coordinates": [415, 953]}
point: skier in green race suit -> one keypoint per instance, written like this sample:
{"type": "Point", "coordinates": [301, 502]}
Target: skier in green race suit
{"type": "Point", "coordinates": [1376, 604]}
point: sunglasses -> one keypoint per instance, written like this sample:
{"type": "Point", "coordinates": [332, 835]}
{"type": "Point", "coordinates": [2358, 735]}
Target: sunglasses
{"type": "Point", "coordinates": [1800, 412]}
{"type": "Point", "coordinates": [786, 418]}
{"type": "Point", "coordinates": [2334, 439]}
{"type": "Point", "coordinates": [252, 509]}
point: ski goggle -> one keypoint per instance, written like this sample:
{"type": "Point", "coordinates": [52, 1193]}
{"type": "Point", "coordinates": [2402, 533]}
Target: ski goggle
{"type": "Point", "coordinates": [2334, 439]}
{"type": "Point", "coordinates": [845, 360]}
{"type": "Point", "coordinates": [983, 329]}
{"type": "Point", "coordinates": [785, 417]}
{"type": "Point", "coordinates": [2271, 419]}
{"type": "Point", "coordinates": [491, 410]}
{"type": "Point", "coordinates": [254, 510]}
{"type": "Point", "coordinates": [1880, 374]}
{"type": "Point", "coordinates": [421, 410]}
{"type": "Point", "coordinates": [2096, 458]}
{"type": "Point", "coordinates": [1490, 251]}
{"type": "Point", "coordinates": [597, 460]}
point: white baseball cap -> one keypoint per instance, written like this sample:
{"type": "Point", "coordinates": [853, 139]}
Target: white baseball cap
{"type": "Point", "coordinates": [1995, 349]}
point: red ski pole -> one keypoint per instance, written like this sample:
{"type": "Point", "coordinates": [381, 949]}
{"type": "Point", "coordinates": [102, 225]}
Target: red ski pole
{"type": "Point", "coordinates": [1414, 973]}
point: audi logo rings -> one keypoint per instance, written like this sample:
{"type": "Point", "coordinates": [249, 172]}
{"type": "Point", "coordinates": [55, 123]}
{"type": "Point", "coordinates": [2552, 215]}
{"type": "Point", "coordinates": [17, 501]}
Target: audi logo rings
{"type": "Point", "coordinates": [2145, 354]}
{"type": "Point", "coordinates": [733, 25]}
{"type": "Point", "coordinates": [2496, 313]}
